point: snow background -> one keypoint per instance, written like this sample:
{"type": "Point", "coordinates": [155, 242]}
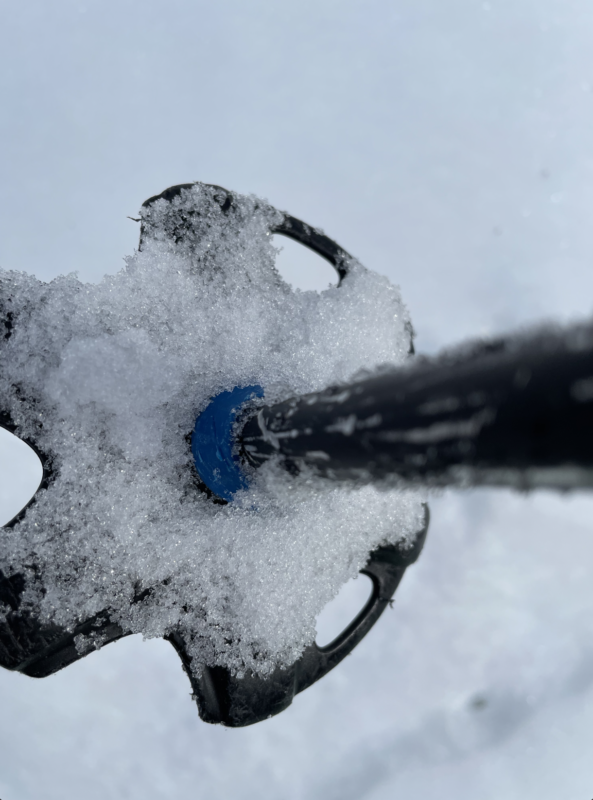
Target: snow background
{"type": "Point", "coordinates": [445, 144]}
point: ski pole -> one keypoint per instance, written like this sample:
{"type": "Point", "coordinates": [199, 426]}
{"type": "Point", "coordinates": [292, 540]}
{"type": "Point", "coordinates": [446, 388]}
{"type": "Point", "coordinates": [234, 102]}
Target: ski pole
{"type": "Point", "coordinates": [514, 412]}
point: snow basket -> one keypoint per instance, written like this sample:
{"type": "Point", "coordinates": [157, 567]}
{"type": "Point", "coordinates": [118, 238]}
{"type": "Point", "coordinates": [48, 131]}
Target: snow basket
{"type": "Point", "coordinates": [38, 642]}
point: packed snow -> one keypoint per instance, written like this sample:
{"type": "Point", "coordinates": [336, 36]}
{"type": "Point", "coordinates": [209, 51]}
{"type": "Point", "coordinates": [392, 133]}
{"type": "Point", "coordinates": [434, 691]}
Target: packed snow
{"type": "Point", "coordinates": [108, 380]}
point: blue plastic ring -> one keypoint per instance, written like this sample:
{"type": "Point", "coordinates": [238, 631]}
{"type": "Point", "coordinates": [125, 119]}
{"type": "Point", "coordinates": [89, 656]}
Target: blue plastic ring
{"type": "Point", "coordinates": [212, 442]}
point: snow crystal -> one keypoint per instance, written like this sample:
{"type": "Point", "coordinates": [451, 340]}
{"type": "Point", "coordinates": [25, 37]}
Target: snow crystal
{"type": "Point", "coordinates": [107, 379]}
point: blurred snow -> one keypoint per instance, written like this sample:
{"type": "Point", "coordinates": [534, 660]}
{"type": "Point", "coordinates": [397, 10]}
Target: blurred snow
{"type": "Point", "coordinates": [446, 145]}
{"type": "Point", "coordinates": [21, 473]}
{"type": "Point", "coordinates": [302, 268]}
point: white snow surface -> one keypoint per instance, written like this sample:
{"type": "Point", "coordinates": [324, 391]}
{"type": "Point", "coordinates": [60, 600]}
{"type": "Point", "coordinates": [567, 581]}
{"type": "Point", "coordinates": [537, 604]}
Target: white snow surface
{"type": "Point", "coordinates": [108, 379]}
{"type": "Point", "coordinates": [449, 146]}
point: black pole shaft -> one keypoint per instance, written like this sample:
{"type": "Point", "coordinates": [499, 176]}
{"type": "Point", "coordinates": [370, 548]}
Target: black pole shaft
{"type": "Point", "coordinates": [514, 412]}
